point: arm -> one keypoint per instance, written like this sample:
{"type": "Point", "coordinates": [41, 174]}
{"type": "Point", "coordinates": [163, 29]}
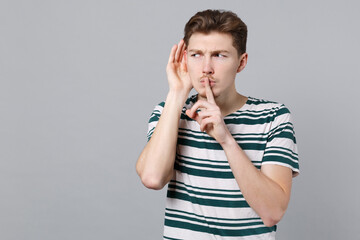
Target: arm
{"type": "Point", "coordinates": [267, 191]}
{"type": "Point", "coordinates": [155, 164]}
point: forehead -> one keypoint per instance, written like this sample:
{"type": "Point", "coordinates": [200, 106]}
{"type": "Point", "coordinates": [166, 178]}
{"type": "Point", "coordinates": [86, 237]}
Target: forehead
{"type": "Point", "coordinates": [211, 41]}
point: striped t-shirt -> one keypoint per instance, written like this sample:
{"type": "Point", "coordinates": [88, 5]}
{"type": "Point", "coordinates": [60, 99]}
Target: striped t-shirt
{"type": "Point", "coordinates": [203, 199]}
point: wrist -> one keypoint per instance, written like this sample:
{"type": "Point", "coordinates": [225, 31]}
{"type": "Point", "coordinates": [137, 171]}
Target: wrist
{"type": "Point", "coordinates": [177, 98]}
{"type": "Point", "coordinates": [178, 94]}
{"type": "Point", "coordinates": [229, 142]}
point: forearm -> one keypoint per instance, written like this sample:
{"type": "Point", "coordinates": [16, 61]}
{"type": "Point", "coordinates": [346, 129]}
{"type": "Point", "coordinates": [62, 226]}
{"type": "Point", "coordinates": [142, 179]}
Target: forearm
{"type": "Point", "coordinates": [263, 194]}
{"type": "Point", "coordinates": [156, 162]}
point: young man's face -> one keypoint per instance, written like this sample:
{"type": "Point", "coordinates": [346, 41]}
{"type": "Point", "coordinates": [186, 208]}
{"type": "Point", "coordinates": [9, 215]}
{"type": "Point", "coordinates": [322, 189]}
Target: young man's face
{"type": "Point", "coordinates": [213, 56]}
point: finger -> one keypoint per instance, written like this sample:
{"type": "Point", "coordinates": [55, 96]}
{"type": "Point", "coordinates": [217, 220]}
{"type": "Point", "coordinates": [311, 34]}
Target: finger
{"type": "Point", "coordinates": [194, 116]}
{"type": "Point", "coordinates": [179, 49]}
{"type": "Point", "coordinates": [199, 117]}
{"type": "Point", "coordinates": [206, 123]}
{"type": "Point", "coordinates": [197, 105]}
{"type": "Point", "coordinates": [209, 93]}
{"type": "Point", "coordinates": [183, 61]}
{"type": "Point", "coordinates": [205, 114]}
{"type": "Point", "coordinates": [172, 54]}
{"type": "Point", "coordinates": [189, 113]}
{"type": "Point", "coordinates": [181, 57]}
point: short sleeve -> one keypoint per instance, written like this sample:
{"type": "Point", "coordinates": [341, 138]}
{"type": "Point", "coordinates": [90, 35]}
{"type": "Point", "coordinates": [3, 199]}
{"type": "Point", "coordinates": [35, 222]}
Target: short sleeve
{"type": "Point", "coordinates": [154, 118]}
{"type": "Point", "coordinates": [281, 148]}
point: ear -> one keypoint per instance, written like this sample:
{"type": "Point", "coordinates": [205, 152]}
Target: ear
{"type": "Point", "coordinates": [243, 61]}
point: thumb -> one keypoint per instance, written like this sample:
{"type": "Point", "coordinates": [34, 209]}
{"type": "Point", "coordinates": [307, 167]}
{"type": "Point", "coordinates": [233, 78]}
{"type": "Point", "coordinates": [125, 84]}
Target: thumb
{"type": "Point", "coordinates": [193, 116]}
{"type": "Point", "coordinates": [188, 113]}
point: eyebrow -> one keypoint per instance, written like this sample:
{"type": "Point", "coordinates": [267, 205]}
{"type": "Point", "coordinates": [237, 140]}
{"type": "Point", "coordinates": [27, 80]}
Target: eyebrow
{"type": "Point", "coordinates": [212, 52]}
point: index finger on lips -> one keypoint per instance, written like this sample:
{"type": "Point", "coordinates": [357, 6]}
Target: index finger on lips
{"type": "Point", "coordinates": [209, 93]}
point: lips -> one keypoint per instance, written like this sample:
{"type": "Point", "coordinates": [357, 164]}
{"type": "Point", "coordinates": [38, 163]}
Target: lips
{"type": "Point", "coordinates": [206, 78]}
{"type": "Point", "coordinates": [211, 81]}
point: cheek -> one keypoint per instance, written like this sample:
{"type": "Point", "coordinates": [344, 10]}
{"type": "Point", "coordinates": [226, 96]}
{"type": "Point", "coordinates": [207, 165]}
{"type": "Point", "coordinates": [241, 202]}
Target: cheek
{"type": "Point", "coordinates": [193, 71]}
{"type": "Point", "coordinates": [192, 66]}
{"type": "Point", "coordinates": [230, 71]}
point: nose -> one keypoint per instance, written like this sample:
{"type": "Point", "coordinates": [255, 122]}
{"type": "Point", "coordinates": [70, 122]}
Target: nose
{"type": "Point", "coordinates": [207, 66]}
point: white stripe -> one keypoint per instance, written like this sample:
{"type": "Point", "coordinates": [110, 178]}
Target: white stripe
{"type": "Point", "coordinates": [282, 164]}
{"type": "Point", "coordinates": [199, 181]}
{"type": "Point", "coordinates": [187, 234]}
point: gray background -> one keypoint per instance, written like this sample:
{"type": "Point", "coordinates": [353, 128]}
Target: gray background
{"type": "Point", "coordinates": [79, 80]}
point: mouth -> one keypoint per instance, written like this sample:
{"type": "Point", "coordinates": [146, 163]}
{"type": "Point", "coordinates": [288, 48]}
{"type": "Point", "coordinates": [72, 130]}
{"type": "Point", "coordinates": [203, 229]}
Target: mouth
{"type": "Point", "coordinates": [211, 81]}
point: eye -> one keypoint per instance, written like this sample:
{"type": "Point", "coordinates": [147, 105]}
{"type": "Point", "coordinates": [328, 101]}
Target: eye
{"type": "Point", "coordinates": [195, 55]}
{"type": "Point", "coordinates": [219, 55]}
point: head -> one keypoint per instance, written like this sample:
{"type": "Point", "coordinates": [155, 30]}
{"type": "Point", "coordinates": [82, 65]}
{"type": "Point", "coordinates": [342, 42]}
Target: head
{"type": "Point", "coordinates": [218, 21]}
{"type": "Point", "coordinates": [215, 50]}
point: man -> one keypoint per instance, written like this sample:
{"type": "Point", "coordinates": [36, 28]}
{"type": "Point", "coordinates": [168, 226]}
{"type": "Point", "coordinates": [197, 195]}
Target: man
{"type": "Point", "coordinates": [228, 159]}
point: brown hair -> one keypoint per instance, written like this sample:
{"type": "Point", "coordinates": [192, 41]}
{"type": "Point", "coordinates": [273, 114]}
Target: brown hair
{"type": "Point", "coordinates": [218, 21]}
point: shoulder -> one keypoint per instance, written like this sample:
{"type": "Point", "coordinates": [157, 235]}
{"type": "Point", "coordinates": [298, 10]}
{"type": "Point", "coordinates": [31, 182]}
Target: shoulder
{"type": "Point", "coordinates": [262, 104]}
{"type": "Point", "coordinates": [266, 107]}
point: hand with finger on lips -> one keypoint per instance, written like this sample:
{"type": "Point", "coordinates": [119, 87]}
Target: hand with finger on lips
{"type": "Point", "coordinates": [209, 117]}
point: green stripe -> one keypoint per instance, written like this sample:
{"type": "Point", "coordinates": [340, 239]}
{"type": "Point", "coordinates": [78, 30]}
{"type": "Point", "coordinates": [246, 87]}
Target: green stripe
{"type": "Point", "coordinates": [249, 134]}
{"type": "Point", "coordinates": [177, 187]}
{"type": "Point", "coordinates": [208, 202]}
{"type": "Point", "coordinates": [260, 114]}
{"type": "Point", "coordinates": [154, 118]}
{"type": "Point", "coordinates": [207, 189]}
{"type": "Point", "coordinates": [254, 113]}
{"type": "Point", "coordinates": [281, 127]}
{"type": "Point", "coordinates": [249, 121]}
{"type": "Point", "coordinates": [209, 173]}
{"type": "Point", "coordinates": [200, 159]}
{"type": "Point", "coordinates": [282, 153]}
{"type": "Point", "coordinates": [207, 165]}
{"type": "Point", "coordinates": [256, 101]}
{"type": "Point", "coordinates": [171, 238]}
{"type": "Point", "coordinates": [150, 133]}
{"type": "Point", "coordinates": [287, 135]}
{"type": "Point", "coordinates": [214, 218]}
{"type": "Point", "coordinates": [203, 165]}
{"type": "Point", "coordinates": [217, 146]}
{"type": "Point", "coordinates": [238, 138]}
{"type": "Point", "coordinates": [235, 134]}
{"type": "Point", "coordinates": [248, 118]}
{"type": "Point", "coordinates": [203, 136]}
{"type": "Point", "coordinates": [216, 231]}
{"type": "Point", "coordinates": [247, 224]}
{"type": "Point", "coordinates": [281, 148]}
{"type": "Point", "coordinates": [204, 173]}
{"type": "Point", "coordinates": [261, 139]}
